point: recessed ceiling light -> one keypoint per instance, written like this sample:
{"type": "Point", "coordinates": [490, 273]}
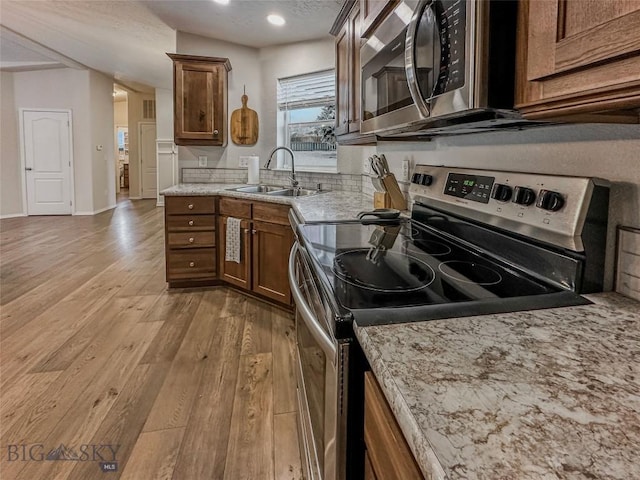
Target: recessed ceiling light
{"type": "Point", "coordinates": [276, 20]}
{"type": "Point", "coordinates": [222, 2]}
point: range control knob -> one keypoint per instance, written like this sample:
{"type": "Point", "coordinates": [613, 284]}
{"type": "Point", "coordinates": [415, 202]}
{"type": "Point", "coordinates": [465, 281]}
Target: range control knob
{"type": "Point", "coordinates": [523, 196]}
{"type": "Point", "coordinates": [415, 178]}
{"type": "Point", "coordinates": [501, 192]}
{"type": "Point", "coordinates": [550, 200]}
{"type": "Point", "coordinates": [426, 180]}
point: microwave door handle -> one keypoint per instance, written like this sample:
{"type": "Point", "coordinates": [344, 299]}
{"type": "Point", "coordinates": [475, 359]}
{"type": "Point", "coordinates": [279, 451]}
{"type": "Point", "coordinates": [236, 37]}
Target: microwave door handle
{"type": "Point", "coordinates": [410, 60]}
{"type": "Point", "coordinates": [310, 320]}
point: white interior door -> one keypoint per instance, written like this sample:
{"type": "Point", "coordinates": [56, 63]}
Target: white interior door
{"type": "Point", "coordinates": [148, 160]}
{"type": "Point", "coordinates": [47, 162]}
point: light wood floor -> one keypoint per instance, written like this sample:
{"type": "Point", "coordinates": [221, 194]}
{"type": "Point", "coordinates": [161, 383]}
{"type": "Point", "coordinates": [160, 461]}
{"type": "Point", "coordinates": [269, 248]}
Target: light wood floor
{"type": "Point", "coordinates": [186, 384]}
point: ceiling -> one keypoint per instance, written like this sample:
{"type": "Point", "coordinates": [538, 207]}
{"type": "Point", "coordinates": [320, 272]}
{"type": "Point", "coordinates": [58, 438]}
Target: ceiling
{"type": "Point", "coordinates": [128, 39]}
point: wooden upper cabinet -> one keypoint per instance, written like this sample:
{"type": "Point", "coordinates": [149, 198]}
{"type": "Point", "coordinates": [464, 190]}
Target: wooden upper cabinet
{"type": "Point", "coordinates": [348, 75]}
{"type": "Point", "coordinates": [372, 12]}
{"type": "Point", "coordinates": [578, 57]}
{"type": "Point", "coordinates": [200, 99]}
{"type": "Point", "coordinates": [342, 81]}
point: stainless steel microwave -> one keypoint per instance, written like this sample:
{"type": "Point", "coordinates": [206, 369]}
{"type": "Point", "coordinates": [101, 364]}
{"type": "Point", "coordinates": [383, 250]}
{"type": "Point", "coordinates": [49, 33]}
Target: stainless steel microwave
{"type": "Point", "coordinates": [433, 64]}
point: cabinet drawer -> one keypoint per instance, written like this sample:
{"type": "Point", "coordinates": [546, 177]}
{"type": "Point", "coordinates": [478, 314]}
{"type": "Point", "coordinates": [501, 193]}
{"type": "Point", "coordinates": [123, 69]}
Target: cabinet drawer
{"type": "Point", "coordinates": [271, 212]}
{"type": "Point", "coordinates": [191, 263]}
{"type": "Point", "coordinates": [191, 239]}
{"type": "Point", "coordinates": [191, 222]}
{"type": "Point", "coordinates": [189, 205]}
{"type": "Point", "coordinates": [235, 208]}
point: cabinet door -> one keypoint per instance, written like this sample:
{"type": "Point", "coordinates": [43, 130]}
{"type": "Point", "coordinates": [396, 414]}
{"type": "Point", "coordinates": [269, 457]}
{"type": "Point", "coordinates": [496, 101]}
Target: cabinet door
{"type": "Point", "coordinates": [200, 99]}
{"type": "Point", "coordinates": [342, 80]}
{"type": "Point", "coordinates": [578, 56]}
{"type": "Point", "coordinates": [372, 12]}
{"type": "Point", "coordinates": [387, 450]}
{"type": "Point", "coordinates": [354, 71]}
{"type": "Point", "coordinates": [271, 246]}
{"type": "Point", "coordinates": [236, 273]}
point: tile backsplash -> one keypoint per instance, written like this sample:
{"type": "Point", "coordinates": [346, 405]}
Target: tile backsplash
{"type": "Point", "coordinates": [328, 181]}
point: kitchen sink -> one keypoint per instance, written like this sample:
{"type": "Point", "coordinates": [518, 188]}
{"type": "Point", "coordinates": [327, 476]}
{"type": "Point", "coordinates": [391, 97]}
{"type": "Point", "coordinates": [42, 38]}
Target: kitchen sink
{"type": "Point", "coordinates": [276, 191]}
{"type": "Point", "coordinates": [257, 189]}
{"type": "Point", "coordinates": [292, 192]}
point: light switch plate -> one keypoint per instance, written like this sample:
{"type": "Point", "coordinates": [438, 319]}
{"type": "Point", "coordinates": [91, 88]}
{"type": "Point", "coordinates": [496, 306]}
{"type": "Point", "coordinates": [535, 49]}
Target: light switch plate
{"type": "Point", "coordinates": [405, 170]}
{"type": "Point", "coordinates": [366, 166]}
{"type": "Point", "coordinates": [202, 160]}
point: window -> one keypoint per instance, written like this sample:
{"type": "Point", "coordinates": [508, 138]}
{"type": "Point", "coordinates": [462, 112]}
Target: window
{"type": "Point", "coordinates": [306, 121]}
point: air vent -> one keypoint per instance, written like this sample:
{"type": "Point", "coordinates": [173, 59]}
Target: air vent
{"type": "Point", "coordinates": [149, 109]}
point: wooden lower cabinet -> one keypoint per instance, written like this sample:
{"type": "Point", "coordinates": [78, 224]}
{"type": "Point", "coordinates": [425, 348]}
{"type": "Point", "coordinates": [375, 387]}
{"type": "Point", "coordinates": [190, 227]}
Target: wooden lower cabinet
{"type": "Point", "coordinates": [266, 240]}
{"type": "Point", "coordinates": [271, 247]}
{"type": "Point", "coordinates": [387, 454]}
{"type": "Point", "coordinates": [190, 240]}
{"type": "Point", "coordinates": [238, 274]}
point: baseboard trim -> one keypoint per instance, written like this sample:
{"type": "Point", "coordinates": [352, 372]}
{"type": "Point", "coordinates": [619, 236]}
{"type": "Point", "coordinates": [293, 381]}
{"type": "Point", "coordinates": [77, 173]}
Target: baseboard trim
{"type": "Point", "coordinates": [95, 212]}
{"type": "Point", "coordinates": [135, 198]}
{"type": "Point", "coordinates": [12, 215]}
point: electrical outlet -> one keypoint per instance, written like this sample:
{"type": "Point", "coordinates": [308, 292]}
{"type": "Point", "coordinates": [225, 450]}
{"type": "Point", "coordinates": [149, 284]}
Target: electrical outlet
{"type": "Point", "coordinates": [202, 160]}
{"type": "Point", "coordinates": [366, 166]}
{"type": "Point", "coordinates": [405, 170]}
{"type": "Point", "coordinates": [243, 161]}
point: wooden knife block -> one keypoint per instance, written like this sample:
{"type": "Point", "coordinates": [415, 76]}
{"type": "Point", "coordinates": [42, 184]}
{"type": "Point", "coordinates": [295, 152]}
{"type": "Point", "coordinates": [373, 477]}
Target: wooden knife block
{"type": "Point", "coordinates": [395, 194]}
{"type": "Point", "coordinates": [381, 200]}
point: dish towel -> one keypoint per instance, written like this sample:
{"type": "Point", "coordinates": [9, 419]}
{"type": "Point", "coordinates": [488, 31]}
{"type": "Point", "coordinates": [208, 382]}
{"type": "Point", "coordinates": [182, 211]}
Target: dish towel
{"type": "Point", "coordinates": [232, 244]}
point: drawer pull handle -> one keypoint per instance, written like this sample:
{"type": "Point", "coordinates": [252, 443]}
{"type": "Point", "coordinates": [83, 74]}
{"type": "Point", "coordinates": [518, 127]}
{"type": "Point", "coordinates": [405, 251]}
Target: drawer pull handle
{"type": "Point", "coordinates": [191, 239]}
{"type": "Point", "coordinates": [192, 264]}
{"type": "Point", "coordinates": [190, 206]}
{"type": "Point", "coordinates": [191, 223]}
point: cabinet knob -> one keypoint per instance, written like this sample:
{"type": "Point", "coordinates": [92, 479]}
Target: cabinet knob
{"type": "Point", "coordinates": [192, 264]}
{"type": "Point", "coordinates": [246, 230]}
{"type": "Point", "coordinates": [191, 223]}
{"type": "Point", "coordinates": [253, 232]}
{"type": "Point", "coordinates": [190, 206]}
{"type": "Point", "coordinates": [191, 239]}
{"type": "Point", "coordinates": [215, 132]}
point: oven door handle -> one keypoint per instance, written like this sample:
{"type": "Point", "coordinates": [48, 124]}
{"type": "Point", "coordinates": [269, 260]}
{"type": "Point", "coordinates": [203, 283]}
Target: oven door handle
{"type": "Point", "coordinates": [318, 333]}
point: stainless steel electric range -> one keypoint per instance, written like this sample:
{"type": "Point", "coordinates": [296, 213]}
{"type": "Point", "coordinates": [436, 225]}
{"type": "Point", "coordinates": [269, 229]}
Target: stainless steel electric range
{"type": "Point", "coordinates": [478, 242]}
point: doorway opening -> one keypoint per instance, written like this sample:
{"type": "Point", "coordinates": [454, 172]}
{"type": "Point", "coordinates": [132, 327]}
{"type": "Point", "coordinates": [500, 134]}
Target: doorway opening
{"type": "Point", "coordinates": [121, 132]}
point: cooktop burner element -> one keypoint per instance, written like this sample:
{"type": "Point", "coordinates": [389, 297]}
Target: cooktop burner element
{"type": "Point", "coordinates": [382, 271]}
{"type": "Point", "coordinates": [470, 272]}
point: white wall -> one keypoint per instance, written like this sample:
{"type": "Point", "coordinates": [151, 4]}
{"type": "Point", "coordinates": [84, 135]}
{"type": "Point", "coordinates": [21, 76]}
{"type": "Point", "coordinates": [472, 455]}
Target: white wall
{"type": "Point", "coordinates": [258, 70]}
{"type": "Point", "coordinates": [10, 177]}
{"type": "Point", "coordinates": [120, 113]}
{"type": "Point", "coordinates": [102, 161]}
{"type": "Point", "coordinates": [288, 61]}
{"type": "Point", "coordinates": [245, 72]}
{"type": "Point", "coordinates": [611, 152]}
{"type": "Point", "coordinates": [134, 106]}
{"type": "Point", "coordinates": [64, 88]}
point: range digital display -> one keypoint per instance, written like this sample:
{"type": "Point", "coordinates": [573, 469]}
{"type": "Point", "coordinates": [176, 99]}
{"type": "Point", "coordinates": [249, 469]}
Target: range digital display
{"type": "Point", "coordinates": [470, 187]}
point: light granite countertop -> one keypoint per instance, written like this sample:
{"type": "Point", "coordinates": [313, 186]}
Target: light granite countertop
{"type": "Point", "coordinates": [325, 206]}
{"type": "Point", "coordinates": [544, 394]}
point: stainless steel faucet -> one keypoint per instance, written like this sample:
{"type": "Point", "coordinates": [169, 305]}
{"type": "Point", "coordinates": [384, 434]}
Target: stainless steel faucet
{"type": "Point", "coordinates": [294, 182]}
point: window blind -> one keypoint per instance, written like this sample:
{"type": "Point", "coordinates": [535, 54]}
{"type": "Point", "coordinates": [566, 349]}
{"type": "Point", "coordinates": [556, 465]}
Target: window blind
{"type": "Point", "coordinates": [309, 90]}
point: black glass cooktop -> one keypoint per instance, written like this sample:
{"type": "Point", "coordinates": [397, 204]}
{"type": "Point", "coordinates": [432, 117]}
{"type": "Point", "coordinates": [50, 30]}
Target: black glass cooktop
{"type": "Point", "coordinates": [405, 270]}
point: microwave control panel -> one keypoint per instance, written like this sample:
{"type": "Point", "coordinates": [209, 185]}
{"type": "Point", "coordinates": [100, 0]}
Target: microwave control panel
{"type": "Point", "coordinates": [451, 20]}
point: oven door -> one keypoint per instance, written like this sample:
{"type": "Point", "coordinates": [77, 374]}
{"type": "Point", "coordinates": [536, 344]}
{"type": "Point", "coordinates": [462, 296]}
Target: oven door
{"type": "Point", "coordinates": [320, 376]}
